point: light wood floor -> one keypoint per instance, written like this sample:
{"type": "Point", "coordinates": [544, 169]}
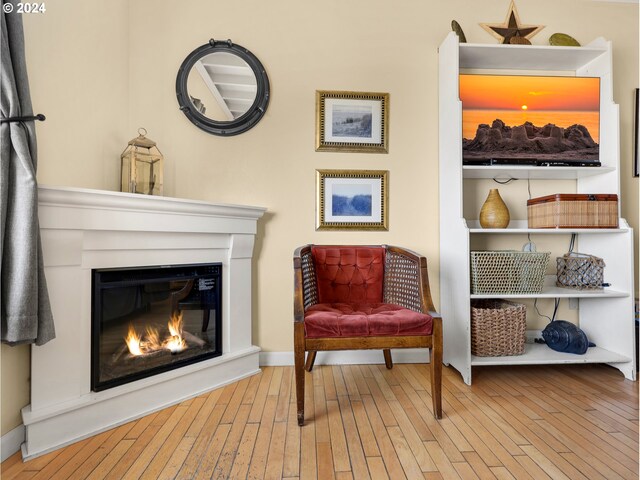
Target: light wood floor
{"type": "Point", "coordinates": [576, 422]}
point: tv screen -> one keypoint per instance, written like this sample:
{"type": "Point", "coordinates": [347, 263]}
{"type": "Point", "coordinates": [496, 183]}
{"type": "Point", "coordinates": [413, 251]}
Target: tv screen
{"type": "Point", "coordinates": [530, 120]}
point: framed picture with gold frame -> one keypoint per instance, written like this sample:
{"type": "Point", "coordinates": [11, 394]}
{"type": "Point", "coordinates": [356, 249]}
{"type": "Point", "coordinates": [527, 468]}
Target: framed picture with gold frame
{"type": "Point", "coordinates": [352, 122]}
{"type": "Point", "coordinates": [352, 200]}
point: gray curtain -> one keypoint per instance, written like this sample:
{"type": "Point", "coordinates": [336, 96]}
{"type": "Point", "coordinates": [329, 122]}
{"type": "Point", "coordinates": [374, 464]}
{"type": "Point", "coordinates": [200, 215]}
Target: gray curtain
{"type": "Point", "coordinates": [26, 312]}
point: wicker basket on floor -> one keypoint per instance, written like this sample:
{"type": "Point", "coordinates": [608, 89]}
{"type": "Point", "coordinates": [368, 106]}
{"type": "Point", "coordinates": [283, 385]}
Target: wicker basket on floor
{"type": "Point", "coordinates": [497, 328]}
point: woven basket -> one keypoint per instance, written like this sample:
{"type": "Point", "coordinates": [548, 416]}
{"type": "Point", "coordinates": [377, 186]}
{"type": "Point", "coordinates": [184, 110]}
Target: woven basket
{"type": "Point", "coordinates": [580, 271]}
{"type": "Point", "coordinates": [497, 328]}
{"type": "Point", "coordinates": [508, 272]}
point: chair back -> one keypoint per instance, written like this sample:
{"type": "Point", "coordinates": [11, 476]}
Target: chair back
{"type": "Point", "coordinates": [349, 274]}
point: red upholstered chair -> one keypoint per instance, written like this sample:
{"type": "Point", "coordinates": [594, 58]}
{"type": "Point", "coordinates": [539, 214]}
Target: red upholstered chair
{"type": "Point", "coordinates": [363, 297]}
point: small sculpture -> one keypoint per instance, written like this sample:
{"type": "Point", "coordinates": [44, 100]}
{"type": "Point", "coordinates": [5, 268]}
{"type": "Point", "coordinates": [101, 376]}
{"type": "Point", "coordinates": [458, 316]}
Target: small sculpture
{"type": "Point", "coordinates": [563, 40]}
{"type": "Point", "coordinates": [512, 28]}
{"type": "Point", "coordinates": [455, 26]}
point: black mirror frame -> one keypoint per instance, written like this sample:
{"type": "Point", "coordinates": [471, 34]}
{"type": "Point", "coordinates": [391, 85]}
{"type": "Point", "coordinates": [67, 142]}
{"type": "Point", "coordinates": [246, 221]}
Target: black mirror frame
{"type": "Point", "coordinates": [245, 121]}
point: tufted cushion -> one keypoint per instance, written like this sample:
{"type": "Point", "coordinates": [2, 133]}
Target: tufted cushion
{"type": "Point", "coordinates": [364, 320]}
{"type": "Point", "coordinates": [349, 274]}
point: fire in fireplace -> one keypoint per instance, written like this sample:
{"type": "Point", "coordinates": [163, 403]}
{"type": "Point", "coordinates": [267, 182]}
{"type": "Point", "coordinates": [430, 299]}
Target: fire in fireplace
{"type": "Point", "coordinates": [149, 320]}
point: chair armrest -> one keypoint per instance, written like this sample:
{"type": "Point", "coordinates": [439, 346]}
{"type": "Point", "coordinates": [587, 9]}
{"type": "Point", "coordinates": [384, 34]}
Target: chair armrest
{"type": "Point", "coordinates": [407, 280]}
{"type": "Point", "coordinates": [305, 292]}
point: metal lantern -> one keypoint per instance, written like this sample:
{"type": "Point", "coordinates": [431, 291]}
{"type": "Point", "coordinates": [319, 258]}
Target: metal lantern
{"type": "Point", "coordinates": [142, 165]}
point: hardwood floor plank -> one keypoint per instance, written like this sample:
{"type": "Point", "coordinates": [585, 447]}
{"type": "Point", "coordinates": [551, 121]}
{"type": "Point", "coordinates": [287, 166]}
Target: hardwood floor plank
{"type": "Point", "coordinates": [479, 467]}
{"type": "Point", "coordinates": [110, 460]}
{"type": "Point", "coordinates": [261, 395]}
{"type": "Point", "coordinates": [282, 409]}
{"type": "Point", "coordinates": [85, 469]}
{"type": "Point", "coordinates": [245, 451]}
{"type": "Point", "coordinates": [381, 403]}
{"type": "Point", "coordinates": [539, 465]}
{"type": "Point", "coordinates": [576, 422]}
{"type": "Point", "coordinates": [275, 460]}
{"type": "Point", "coordinates": [308, 460]}
{"type": "Point", "coordinates": [200, 446]}
{"type": "Point", "coordinates": [412, 438]}
{"type": "Point", "coordinates": [230, 449]}
{"type": "Point", "coordinates": [235, 401]}
{"type": "Point", "coordinates": [262, 448]}
{"type": "Point", "coordinates": [338, 440]}
{"type": "Point", "coordinates": [171, 443]}
{"type": "Point", "coordinates": [416, 419]}
{"type": "Point", "coordinates": [350, 382]}
{"type": "Point", "coordinates": [292, 454]}
{"type": "Point", "coordinates": [175, 462]}
{"type": "Point", "coordinates": [354, 444]}
{"type": "Point", "coordinates": [443, 465]}
{"type": "Point", "coordinates": [387, 450]}
{"type": "Point", "coordinates": [405, 455]}
{"type": "Point", "coordinates": [326, 469]}
{"type": "Point", "coordinates": [369, 444]}
{"type": "Point", "coordinates": [377, 468]}
{"type": "Point", "coordinates": [465, 471]}
{"type": "Point", "coordinates": [71, 466]}
{"type": "Point", "coordinates": [360, 379]}
{"type": "Point", "coordinates": [149, 452]}
{"type": "Point", "coordinates": [210, 458]}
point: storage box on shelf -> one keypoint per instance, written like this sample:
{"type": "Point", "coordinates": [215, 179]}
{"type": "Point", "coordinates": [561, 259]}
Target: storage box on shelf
{"type": "Point", "coordinates": [605, 315]}
{"type": "Point", "coordinates": [567, 210]}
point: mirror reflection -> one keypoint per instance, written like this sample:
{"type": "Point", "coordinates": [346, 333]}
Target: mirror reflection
{"type": "Point", "coordinates": [222, 86]}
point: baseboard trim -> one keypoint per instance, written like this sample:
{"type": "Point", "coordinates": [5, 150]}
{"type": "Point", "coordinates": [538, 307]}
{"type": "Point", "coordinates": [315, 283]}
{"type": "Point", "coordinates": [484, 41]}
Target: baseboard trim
{"type": "Point", "coordinates": [348, 357]}
{"type": "Point", "coordinates": [10, 442]}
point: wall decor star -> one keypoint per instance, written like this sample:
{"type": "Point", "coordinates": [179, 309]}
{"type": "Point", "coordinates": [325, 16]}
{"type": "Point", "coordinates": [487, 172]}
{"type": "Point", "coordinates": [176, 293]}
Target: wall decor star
{"type": "Point", "coordinates": [512, 31]}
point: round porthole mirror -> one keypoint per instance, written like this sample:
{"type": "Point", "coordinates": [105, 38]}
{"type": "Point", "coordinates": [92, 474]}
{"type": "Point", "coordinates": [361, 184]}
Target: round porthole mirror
{"type": "Point", "coordinates": [222, 88]}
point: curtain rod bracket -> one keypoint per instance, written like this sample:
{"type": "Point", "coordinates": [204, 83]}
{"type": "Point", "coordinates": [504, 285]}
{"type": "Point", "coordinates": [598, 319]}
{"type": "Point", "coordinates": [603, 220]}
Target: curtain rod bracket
{"type": "Point", "coordinates": [28, 118]}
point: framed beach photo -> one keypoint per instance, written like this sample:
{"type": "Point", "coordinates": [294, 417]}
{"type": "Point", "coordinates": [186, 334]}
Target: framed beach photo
{"type": "Point", "coordinates": [352, 122]}
{"type": "Point", "coordinates": [352, 200]}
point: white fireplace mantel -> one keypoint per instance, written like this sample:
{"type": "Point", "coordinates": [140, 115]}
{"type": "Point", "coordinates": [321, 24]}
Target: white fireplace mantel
{"type": "Point", "coordinates": [87, 229]}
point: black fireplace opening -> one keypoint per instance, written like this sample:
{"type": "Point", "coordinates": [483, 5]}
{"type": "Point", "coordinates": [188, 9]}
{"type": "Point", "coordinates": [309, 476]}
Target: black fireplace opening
{"type": "Point", "coordinates": [149, 320]}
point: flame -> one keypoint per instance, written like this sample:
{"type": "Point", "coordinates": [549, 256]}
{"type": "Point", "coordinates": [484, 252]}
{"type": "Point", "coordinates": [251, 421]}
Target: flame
{"type": "Point", "coordinates": [175, 343]}
{"type": "Point", "coordinates": [151, 342]}
{"type": "Point", "coordinates": [175, 325]}
{"type": "Point", "coordinates": [133, 341]}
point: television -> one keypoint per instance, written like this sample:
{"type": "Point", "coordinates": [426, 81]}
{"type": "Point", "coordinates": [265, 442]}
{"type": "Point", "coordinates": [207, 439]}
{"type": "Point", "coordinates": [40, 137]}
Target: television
{"type": "Point", "coordinates": [530, 120]}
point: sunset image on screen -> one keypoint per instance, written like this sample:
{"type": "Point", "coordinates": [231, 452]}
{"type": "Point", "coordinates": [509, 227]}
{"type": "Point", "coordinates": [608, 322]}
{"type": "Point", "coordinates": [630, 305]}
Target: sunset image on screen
{"type": "Point", "coordinates": [545, 108]}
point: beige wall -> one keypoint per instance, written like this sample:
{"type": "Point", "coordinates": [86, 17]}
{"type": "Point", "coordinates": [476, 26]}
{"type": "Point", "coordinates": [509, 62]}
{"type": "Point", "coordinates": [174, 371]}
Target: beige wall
{"type": "Point", "coordinates": [77, 60]}
{"type": "Point", "coordinates": [362, 45]}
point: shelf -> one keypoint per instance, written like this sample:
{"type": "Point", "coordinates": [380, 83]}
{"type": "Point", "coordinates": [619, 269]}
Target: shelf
{"type": "Point", "coordinates": [532, 172]}
{"type": "Point", "coordinates": [529, 57]}
{"type": "Point", "coordinates": [549, 290]}
{"type": "Point", "coordinates": [540, 354]}
{"type": "Point", "coordinates": [520, 227]}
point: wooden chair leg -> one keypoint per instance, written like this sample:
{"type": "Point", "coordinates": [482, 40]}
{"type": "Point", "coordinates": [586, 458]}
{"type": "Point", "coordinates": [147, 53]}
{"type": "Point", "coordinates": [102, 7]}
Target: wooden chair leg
{"type": "Point", "coordinates": [311, 358]}
{"type": "Point", "coordinates": [387, 358]}
{"type": "Point", "coordinates": [436, 368]}
{"type": "Point", "coordinates": [298, 354]}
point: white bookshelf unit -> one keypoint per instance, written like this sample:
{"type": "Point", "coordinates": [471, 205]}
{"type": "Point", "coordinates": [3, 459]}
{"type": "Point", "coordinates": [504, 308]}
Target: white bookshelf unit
{"type": "Point", "coordinates": [606, 316]}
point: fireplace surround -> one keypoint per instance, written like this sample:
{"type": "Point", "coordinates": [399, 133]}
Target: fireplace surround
{"type": "Point", "coordinates": [91, 230]}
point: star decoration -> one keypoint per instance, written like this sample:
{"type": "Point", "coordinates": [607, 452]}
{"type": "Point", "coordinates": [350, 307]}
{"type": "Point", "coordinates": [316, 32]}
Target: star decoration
{"type": "Point", "coordinates": [512, 31]}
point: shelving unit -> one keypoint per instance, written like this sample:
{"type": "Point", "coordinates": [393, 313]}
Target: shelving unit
{"type": "Point", "coordinates": [606, 315]}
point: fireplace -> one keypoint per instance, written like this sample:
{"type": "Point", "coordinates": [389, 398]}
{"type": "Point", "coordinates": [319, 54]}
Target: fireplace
{"type": "Point", "coordinates": [111, 234]}
{"type": "Point", "coordinates": [149, 320]}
